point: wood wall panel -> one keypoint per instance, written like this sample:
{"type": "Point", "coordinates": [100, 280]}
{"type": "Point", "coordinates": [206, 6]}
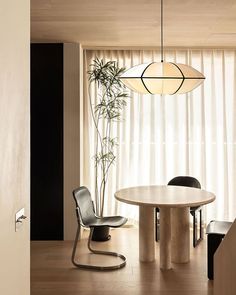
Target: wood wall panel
{"type": "Point", "coordinates": [225, 264]}
{"type": "Point", "coordinates": [72, 134]}
{"type": "Point", "coordinates": [14, 146]}
{"type": "Point", "coordinates": [134, 22]}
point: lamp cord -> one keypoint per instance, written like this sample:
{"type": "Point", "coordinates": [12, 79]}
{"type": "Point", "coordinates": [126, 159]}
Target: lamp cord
{"type": "Point", "coordinates": [162, 55]}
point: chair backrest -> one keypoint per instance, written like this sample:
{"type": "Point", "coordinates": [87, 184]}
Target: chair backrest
{"type": "Point", "coordinates": [185, 181]}
{"type": "Point", "coordinates": [84, 206]}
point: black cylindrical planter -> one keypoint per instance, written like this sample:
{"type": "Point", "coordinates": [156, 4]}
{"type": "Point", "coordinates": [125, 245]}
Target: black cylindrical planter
{"type": "Point", "coordinates": [101, 234]}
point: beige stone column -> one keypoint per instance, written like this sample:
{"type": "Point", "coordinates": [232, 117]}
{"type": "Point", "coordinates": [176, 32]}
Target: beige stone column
{"type": "Point", "coordinates": [180, 248]}
{"type": "Point", "coordinates": [146, 234]}
{"type": "Point", "coordinates": [165, 238]}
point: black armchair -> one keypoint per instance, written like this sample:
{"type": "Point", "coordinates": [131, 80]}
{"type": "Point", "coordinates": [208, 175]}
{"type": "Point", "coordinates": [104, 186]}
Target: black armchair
{"type": "Point", "coordinates": [189, 182]}
{"type": "Point", "coordinates": [86, 217]}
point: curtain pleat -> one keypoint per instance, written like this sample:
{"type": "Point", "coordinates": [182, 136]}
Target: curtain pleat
{"type": "Point", "coordinates": [161, 137]}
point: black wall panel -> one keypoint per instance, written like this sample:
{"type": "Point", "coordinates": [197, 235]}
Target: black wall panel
{"type": "Point", "coordinates": [46, 141]}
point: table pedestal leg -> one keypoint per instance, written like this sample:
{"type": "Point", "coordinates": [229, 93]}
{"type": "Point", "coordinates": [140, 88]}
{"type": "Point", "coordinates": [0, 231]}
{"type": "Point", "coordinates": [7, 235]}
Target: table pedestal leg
{"type": "Point", "coordinates": [180, 249]}
{"type": "Point", "coordinates": [165, 238]}
{"type": "Point", "coordinates": [146, 234]}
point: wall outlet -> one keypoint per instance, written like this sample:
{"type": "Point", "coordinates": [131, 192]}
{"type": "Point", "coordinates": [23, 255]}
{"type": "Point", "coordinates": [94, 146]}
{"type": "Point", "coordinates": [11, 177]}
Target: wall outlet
{"type": "Point", "coordinates": [19, 218]}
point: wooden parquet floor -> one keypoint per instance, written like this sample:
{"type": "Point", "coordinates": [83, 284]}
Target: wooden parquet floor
{"type": "Point", "coordinates": [52, 272]}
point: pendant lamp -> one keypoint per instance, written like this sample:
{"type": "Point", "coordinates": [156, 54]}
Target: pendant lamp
{"type": "Point", "coordinates": [162, 77]}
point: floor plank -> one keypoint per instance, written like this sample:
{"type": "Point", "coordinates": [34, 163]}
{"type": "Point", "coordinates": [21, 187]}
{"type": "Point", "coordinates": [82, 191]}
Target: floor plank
{"type": "Point", "coordinates": [53, 274]}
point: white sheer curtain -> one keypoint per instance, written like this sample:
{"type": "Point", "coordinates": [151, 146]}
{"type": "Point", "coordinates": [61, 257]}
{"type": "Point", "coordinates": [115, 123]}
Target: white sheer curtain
{"type": "Point", "coordinates": [162, 137]}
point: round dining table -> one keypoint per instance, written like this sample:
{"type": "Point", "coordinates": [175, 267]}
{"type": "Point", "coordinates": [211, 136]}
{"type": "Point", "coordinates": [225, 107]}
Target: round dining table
{"type": "Point", "coordinates": [174, 203]}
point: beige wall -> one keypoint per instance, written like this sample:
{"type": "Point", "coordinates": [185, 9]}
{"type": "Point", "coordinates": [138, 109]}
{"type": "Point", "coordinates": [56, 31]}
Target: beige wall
{"type": "Point", "coordinates": [225, 264]}
{"type": "Point", "coordinates": [14, 145]}
{"type": "Point", "coordinates": [73, 70]}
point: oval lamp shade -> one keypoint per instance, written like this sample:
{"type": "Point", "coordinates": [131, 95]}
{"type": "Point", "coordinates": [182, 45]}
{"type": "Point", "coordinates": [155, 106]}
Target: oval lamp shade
{"type": "Point", "coordinates": [162, 78]}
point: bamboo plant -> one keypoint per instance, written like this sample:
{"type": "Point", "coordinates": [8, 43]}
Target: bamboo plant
{"type": "Point", "coordinates": [107, 111]}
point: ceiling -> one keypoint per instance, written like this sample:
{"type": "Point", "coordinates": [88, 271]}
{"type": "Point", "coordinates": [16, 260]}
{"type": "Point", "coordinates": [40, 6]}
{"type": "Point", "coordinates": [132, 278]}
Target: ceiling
{"type": "Point", "coordinates": [134, 23]}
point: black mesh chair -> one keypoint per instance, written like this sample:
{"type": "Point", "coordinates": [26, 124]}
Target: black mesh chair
{"type": "Point", "coordinates": [189, 182]}
{"type": "Point", "coordinates": [86, 217]}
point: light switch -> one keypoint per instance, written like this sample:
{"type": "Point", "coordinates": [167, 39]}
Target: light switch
{"type": "Point", "coordinates": [19, 218]}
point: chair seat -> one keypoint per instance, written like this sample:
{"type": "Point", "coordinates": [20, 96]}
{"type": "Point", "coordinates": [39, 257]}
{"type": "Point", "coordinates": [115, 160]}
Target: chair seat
{"type": "Point", "coordinates": [218, 227]}
{"type": "Point", "coordinates": [111, 221]}
{"type": "Point", "coordinates": [191, 209]}
{"type": "Point", "coordinates": [194, 209]}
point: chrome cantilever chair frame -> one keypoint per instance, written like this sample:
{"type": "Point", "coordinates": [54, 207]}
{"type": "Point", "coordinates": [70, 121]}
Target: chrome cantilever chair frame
{"type": "Point", "coordinates": [96, 267]}
{"type": "Point", "coordinates": [99, 252]}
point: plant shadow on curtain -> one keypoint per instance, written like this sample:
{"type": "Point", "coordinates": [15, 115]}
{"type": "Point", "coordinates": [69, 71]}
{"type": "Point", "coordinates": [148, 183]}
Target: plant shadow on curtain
{"type": "Point", "coordinates": [162, 137]}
